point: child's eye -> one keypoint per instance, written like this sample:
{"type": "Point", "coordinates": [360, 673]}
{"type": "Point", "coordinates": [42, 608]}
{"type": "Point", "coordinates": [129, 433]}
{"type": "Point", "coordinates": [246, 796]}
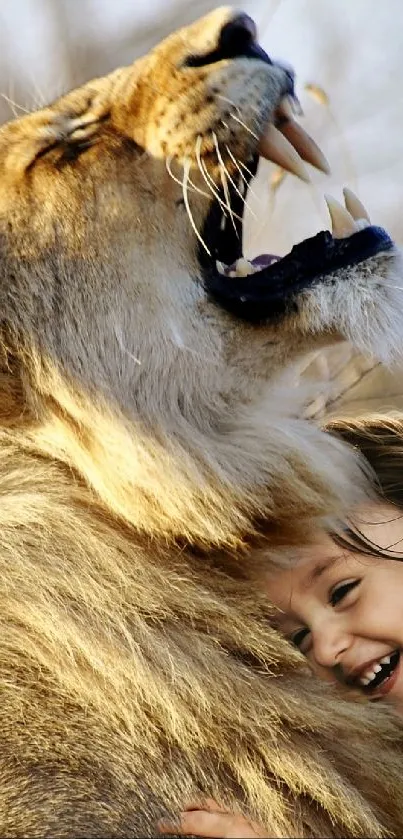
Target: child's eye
{"type": "Point", "coordinates": [299, 637]}
{"type": "Point", "coordinates": [339, 592]}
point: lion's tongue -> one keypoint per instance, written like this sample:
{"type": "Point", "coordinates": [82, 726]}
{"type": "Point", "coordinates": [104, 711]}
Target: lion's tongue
{"type": "Point", "coordinates": [264, 259]}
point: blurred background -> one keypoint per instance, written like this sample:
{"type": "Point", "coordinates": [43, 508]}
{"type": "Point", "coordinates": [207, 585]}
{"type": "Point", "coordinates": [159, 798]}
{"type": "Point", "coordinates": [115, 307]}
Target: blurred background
{"type": "Point", "coordinates": [349, 61]}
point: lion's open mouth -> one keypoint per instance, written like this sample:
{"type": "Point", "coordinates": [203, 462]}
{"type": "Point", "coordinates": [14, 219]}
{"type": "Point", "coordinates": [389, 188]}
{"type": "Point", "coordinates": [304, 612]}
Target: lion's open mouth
{"type": "Point", "coordinates": [268, 285]}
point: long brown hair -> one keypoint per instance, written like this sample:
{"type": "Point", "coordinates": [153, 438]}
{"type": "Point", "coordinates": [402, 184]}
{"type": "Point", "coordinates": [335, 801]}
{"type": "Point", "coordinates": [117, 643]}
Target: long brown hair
{"type": "Point", "coordinates": [379, 438]}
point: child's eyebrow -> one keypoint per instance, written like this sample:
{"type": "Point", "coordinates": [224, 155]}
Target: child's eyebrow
{"type": "Point", "coordinates": [318, 569]}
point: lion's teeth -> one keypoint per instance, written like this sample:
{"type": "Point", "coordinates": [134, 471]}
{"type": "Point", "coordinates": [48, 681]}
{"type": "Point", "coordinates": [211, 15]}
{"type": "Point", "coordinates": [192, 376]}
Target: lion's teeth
{"type": "Point", "coordinates": [377, 668]}
{"type": "Point", "coordinates": [355, 206]}
{"type": "Point", "coordinates": [385, 659]}
{"type": "Point", "coordinates": [275, 147]}
{"type": "Point", "coordinates": [243, 267]}
{"type": "Point", "coordinates": [284, 109]}
{"type": "Point", "coordinates": [306, 147]}
{"type": "Point", "coordinates": [343, 224]}
{"type": "Point", "coordinates": [365, 681]}
{"type": "Point", "coordinates": [220, 266]}
{"type": "Point", "coordinates": [361, 223]}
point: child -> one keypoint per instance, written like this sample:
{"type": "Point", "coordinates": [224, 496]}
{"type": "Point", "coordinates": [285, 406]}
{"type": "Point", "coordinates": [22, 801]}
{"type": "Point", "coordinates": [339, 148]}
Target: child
{"type": "Point", "coordinates": [341, 600]}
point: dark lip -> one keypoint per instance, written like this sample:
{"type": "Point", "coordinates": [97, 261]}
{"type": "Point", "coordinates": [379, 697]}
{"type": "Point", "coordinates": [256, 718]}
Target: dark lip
{"type": "Point", "coordinates": [271, 291]}
{"type": "Point", "coordinates": [268, 294]}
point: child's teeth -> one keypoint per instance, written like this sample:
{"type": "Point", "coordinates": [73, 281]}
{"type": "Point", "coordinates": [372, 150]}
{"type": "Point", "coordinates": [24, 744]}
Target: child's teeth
{"type": "Point", "coordinates": [370, 675]}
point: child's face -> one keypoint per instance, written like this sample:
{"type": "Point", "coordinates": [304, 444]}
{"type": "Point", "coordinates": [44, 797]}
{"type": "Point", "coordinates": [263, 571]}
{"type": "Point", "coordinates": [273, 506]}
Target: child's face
{"type": "Point", "coordinates": [344, 610]}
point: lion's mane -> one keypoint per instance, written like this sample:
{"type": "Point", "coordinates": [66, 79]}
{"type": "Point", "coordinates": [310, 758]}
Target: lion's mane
{"type": "Point", "coordinates": [152, 457]}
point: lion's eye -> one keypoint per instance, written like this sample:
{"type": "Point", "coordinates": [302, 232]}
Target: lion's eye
{"type": "Point", "coordinates": [66, 137]}
{"type": "Point", "coordinates": [72, 151]}
{"type": "Point", "coordinates": [62, 152]}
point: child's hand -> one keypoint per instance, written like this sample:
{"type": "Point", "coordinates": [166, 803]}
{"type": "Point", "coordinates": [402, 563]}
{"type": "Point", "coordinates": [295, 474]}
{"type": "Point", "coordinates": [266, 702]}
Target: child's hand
{"type": "Point", "coordinates": [213, 822]}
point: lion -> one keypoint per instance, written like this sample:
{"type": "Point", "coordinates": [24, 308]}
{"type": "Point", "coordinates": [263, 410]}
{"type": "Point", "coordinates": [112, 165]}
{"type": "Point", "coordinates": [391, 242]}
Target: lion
{"type": "Point", "coordinates": [154, 455]}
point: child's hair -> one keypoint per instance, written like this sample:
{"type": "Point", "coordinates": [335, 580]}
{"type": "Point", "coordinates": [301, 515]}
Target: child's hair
{"type": "Point", "coordinates": [379, 439]}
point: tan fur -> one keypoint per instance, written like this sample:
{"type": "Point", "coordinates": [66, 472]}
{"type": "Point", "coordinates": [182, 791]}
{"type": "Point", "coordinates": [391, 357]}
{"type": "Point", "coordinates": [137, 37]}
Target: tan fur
{"type": "Point", "coordinates": [151, 451]}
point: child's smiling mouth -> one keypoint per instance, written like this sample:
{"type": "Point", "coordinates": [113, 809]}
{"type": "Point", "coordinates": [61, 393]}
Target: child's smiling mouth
{"type": "Point", "coordinates": [377, 678]}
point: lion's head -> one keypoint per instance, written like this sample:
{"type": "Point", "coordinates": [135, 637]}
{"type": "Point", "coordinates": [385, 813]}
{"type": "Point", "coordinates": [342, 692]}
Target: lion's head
{"type": "Point", "coordinates": [120, 217]}
{"type": "Point", "coordinates": [146, 429]}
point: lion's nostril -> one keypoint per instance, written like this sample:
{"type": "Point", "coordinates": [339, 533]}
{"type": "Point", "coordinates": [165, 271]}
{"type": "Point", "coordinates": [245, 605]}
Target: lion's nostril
{"type": "Point", "coordinates": [238, 34]}
{"type": "Point", "coordinates": [237, 39]}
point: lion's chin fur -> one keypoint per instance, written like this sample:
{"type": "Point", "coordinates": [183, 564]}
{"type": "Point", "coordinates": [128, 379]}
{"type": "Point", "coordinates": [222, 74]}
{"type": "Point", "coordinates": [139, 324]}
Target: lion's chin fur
{"type": "Point", "coordinates": [153, 459]}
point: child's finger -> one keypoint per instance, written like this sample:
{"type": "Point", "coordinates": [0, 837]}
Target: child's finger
{"type": "Point", "coordinates": [211, 825]}
{"type": "Point", "coordinates": [208, 804]}
{"type": "Point", "coordinates": [196, 822]}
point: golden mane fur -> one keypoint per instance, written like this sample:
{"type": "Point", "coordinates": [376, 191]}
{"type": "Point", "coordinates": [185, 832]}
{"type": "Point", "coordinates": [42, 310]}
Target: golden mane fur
{"type": "Point", "coordinates": [152, 456]}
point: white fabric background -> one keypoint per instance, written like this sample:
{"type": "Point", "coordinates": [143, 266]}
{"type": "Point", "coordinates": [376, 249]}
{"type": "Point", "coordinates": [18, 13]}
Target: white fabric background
{"type": "Point", "coordinates": [351, 49]}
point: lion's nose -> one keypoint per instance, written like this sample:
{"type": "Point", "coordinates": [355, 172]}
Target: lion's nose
{"type": "Point", "coordinates": [235, 39]}
{"type": "Point", "coordinates": [238, 34]}
{"type": "Point", "coordinates": [238, 37]}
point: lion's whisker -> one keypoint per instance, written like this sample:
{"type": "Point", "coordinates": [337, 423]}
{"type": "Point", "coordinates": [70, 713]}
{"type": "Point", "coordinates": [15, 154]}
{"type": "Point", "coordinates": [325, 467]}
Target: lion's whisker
{"type": "Point", "coordinates": [211, 185]}
{"type": "Point", "coordinates": [246, 169]}
{"type": "Point", "coordinates": [230, 102]}
{"type": "Point", "coordinates": [224, 182]}
{"type": "Point", "coordinates": [198, 190]}
{"type": "Point", "coordinates": [246, 127]}
{"type": "Point", "coordinates": [246, 182]}
{"type": "Point", "coordinates": [208, 179]}
{"type": "Point", "coordinates": [186, 170]}
{"type": "Point", "coordinates": [14, 106]}
{"type": "Point", "coordinates": [222, 203]}
{"type": "Point", "coordinates": [219, 155]}
{"type": "Point", "coordinates": [221, 161]}
{"type": "Point", "coordinates": [195, 188]}
{"type": "Point", "coordinates": [220, 158]}
{"type": "Point", "coordinates": [227, 197]}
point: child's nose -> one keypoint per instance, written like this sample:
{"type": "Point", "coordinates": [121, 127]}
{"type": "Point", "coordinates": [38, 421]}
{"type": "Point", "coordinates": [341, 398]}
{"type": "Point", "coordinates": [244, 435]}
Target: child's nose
{"type": "Point", "coordinates": [329, 644]}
